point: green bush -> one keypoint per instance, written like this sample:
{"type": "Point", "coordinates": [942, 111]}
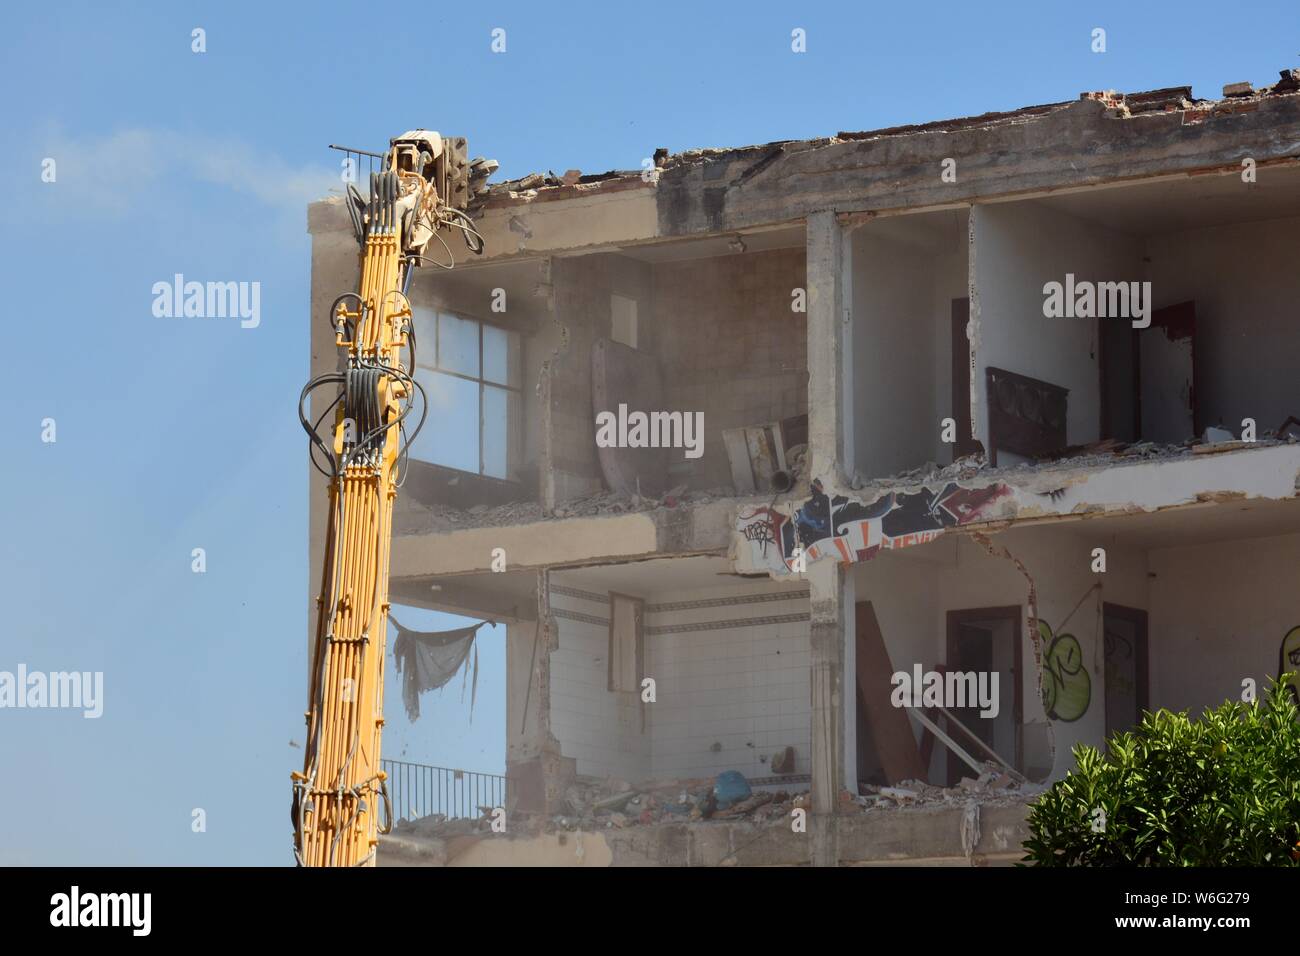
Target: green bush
{"type": "Point", "coordinates": [1223, 790]}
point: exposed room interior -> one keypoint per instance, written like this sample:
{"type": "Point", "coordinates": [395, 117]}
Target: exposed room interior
{"type": "Point", "coordinates": [728, 659]}
{"type": "Point", "coordinates": [482, 332]}
{"type": "Point", "coordinates": [909, 300]}
{"type": "Point", "coordinates": [696, 327]}
{"type": "Point", "coordinates": [709, 330]}
{"type": "Point", "coordinates": [1191, 603]}
{"type": "Point", "coordinates": [1218, 254]}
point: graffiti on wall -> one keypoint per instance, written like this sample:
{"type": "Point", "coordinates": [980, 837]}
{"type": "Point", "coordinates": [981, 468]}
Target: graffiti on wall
{"type": "Point", "coordinates": [1067, 688]}
{"type": "Point", "coordinates": [1289, 660]}
{"type": "Point", "coordinates": [850, 530]}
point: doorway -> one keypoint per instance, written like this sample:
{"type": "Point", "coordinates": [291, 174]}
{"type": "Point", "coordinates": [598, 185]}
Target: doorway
{"type": "Point", "coordinates": [1148, 378]}
{"type": "Point", "coordinates": [987, 641]}
{"type": "Point", "coordinates": [1125, 631]}
{"type": "Point", "coordinates": [966, 443]}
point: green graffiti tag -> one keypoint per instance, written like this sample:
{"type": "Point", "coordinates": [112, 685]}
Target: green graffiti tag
{"type": "Point", "coordinates": [1067, 688]}
{"type": "Point", "coordinates": [1289, 660]}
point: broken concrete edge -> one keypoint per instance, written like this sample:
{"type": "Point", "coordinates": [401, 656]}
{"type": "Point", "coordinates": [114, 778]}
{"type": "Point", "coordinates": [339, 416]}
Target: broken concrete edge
{"type": "Point", "coordinates": [1164, 112]}
{"type": "Point", "coordinates": [775, 538]}
{"type": "Point", "coordinates": [970, 834]}
{"type": "Point", "coordinates": [701, 528]}
{"type": "Point", "coordinates": [742, 527]}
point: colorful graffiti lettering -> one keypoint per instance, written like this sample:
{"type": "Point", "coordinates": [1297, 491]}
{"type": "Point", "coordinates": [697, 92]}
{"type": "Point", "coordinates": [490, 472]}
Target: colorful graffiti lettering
{"type": "Point", "coordinates": [1067, 688]}
{"type": "Point", "coordinates": [850, 530]}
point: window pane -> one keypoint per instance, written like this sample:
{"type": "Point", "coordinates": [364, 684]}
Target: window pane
{"type": "Point", "coordinates": [458, 345]}
{"type": "Point", "coordinates": [500, 356]}
{"type": "Point", "coordinates": [425, 342]}
{"type": "Point", "coordinates": [500, 418]}
{"type": "Point", "coordinates": [450, 433]}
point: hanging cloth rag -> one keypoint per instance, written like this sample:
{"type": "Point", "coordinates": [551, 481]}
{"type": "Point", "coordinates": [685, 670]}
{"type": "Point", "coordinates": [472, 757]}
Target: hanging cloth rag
{"type": "Point", "coordinates": [426, 660]}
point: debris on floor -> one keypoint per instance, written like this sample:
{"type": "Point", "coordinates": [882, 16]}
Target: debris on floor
{"type": "Point", "coordinates": [440, 826]}
{"type": "Point", "coordinates": [599, 804]}
{"type": "Point", "coordinates": [1100, 454]}
{"type": "Point", "coordinates": [615, 804]}
{"type": "Point", "coordinates": [602, 804]}
{"type": "Point", "coordinates": [994, 786]}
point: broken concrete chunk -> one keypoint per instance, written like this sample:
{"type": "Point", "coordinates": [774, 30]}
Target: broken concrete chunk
{"type": "Point", "coordinates": [900, 794]}
{"type": "Point", "coordinates": [615, 802]}
{"type": "Point", "coordinates": [1238, 89]}
{"type": "Point", "coordinates": [747, 806]}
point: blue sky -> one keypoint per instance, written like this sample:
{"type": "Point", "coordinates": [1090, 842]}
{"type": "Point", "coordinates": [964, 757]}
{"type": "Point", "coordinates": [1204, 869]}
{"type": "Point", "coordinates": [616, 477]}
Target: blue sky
{"type": "Point", "coordinates": [174, 434]}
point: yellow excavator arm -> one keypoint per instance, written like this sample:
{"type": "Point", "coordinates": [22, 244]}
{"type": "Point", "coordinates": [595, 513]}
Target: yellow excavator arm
{"type": "Point", "coordinates": [423, 192]}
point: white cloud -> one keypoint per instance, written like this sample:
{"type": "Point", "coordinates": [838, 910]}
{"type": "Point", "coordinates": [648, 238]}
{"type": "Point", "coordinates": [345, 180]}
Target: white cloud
{"type": "Point", "coordinates": [116, 174]}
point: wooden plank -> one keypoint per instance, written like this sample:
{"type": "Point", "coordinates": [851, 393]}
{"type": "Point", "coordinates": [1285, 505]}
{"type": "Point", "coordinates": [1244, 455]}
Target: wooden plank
{"type": "Point", "coordinates": [970, 735]}
{"type": "Point", "coordinates": [761, 459]}
{"type": "Point", "coordinates": [890, 729]}
{"type": "Point", "coordinates": [947, 741]}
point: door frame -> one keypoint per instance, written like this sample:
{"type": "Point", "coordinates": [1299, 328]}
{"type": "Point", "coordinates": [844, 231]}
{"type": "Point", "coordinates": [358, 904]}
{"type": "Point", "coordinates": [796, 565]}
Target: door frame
{"type": "Point", "coordinates": [1139, 619]}
{"type": "Point", "coordinates": [1016, 615]}
{"type": "Point", "coordinates": [960, 371]}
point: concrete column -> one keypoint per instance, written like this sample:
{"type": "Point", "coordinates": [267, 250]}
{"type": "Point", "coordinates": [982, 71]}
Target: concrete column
{"type": "Point", "coordinates": [829, 350]}
{"type": "Point", "coordinates": [830, 407]}
{"type": "Point", "coordinates": [537, 773]}
{"type": "Point", "coordinates": [826, 671]}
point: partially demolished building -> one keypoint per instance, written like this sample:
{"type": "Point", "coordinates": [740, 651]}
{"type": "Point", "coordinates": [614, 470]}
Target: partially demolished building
{"type": "Point", "coordinates": [1010, 395]}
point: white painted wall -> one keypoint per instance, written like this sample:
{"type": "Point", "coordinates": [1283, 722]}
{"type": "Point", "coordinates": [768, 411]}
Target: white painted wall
{"type": "Point", "coordinates": [599, 728]}
{"type": "Point", "coordinates": [1019, 247]}
{"type": "Point", "coordinates": [893, 356]}
{"type": "Point", "coordinates": [904, 272]}
{"type": "Point", "coordinates": [1246, 286]}
{"type": "Point", "coordinates": [1218, 615]}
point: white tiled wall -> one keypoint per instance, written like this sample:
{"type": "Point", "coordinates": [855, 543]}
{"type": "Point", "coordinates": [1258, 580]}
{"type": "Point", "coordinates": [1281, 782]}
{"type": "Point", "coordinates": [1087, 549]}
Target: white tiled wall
{"type": "Point", "coordinates": [600, 728]}
{"type": "Point", "coordinates": [742, 688]}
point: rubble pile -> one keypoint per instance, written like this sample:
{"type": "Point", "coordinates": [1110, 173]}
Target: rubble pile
{"type": "Point", "coordinates": [1100, 454]}
{"type": "Point", "coordinates": [616, 804]}
{"type": "Point", "coordinates": [440, 826]}
{"type": "Point", "coordinates": [590, 804]}
{"type": "Point", "coordinates": [994, 786]}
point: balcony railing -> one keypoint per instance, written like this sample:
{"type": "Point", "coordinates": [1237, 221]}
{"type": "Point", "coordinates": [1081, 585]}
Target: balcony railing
{"type": "Point", "coordinates": [419, 790]}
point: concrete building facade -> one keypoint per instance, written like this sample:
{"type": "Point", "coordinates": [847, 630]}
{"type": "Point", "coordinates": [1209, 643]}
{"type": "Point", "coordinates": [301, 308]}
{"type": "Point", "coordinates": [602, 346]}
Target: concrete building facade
{"type": "Point", "coordinates": [1010, 394]}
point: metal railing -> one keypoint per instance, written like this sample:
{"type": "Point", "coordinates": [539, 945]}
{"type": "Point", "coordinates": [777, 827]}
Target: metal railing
{"type": "Point", "coordinates": [419, 790]}
{"type": "Point", "coordinates": [360, 165]}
